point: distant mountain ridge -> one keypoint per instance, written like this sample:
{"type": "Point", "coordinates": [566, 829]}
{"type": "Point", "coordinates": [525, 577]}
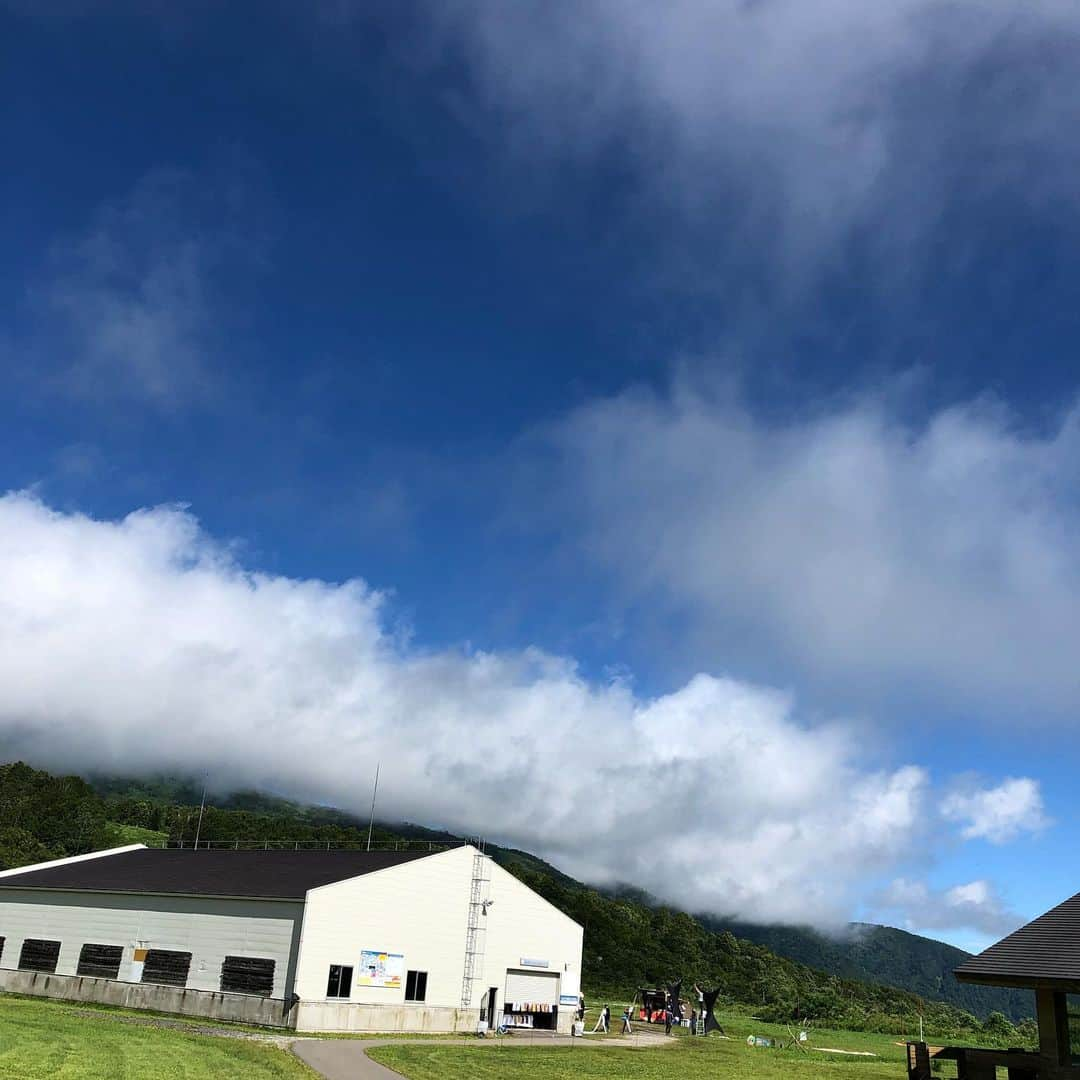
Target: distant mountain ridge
{"type": "Point", "coordinates": [888, 956]}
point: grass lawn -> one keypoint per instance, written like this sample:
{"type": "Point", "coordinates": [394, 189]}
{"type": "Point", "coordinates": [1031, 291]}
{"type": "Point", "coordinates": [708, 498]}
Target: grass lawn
{"type": "Point", "coordinates": [689, 1059]}
{"type": "Point", "coordinates": [50, 1039]}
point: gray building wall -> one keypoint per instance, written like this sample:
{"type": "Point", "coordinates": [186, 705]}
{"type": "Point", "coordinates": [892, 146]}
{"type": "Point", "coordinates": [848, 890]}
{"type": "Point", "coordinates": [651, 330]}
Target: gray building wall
{"type": "Point", "coordinates": [208, 928]}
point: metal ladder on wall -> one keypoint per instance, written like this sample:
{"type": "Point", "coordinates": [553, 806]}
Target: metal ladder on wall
{"type": "Point", "coordinates": [475, 934]}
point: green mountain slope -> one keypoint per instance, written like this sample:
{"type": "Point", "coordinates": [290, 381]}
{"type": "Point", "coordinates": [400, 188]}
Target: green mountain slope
{"type": "Point", "coordinates": [874, 954]}
{"type": "Point", "coordinates": [886, 955]}
{"type": "Point", "coordinates": [630, 941]}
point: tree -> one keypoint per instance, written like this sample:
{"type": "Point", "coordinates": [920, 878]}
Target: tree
{"type": "Point", "coordinates": [20, 848]}
{"type": "Point", "coordinates": [998, 1026]}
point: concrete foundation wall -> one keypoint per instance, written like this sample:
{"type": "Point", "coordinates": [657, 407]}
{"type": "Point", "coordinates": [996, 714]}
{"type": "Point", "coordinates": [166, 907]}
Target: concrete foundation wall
{"type": "Point", "coordinates": [334, 1016]}
{"type": "Point", "coordinates": [218, 1006]}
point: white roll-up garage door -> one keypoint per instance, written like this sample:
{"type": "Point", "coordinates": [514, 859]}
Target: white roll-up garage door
{"type": "Point", "coordinates": [532, 986]}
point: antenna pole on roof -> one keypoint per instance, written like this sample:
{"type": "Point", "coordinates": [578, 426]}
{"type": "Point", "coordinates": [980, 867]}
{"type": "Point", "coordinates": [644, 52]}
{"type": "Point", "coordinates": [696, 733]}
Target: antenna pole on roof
{"type": "Point", "coordinates": [202, 807]}
{"type": "Point", "coordinates": [374, 792]}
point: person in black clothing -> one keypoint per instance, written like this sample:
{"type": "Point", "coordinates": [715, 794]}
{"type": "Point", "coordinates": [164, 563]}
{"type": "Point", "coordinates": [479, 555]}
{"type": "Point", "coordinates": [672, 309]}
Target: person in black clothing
{"type": "Point", "coordinates": [603, 1022]}
{"type": "Point", "coordinates": [668, 1017]}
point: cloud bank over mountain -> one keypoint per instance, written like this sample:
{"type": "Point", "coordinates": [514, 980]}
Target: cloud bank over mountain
{"type": "Point", "coordinates": [862, 548]}
{"type": "Point", "coordinates": [143, 643]}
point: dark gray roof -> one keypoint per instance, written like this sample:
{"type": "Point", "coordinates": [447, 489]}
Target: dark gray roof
{"type": "Point", "coordinates": [281, 874]}
{"type": "Point", "coordinates": [1046, 952]}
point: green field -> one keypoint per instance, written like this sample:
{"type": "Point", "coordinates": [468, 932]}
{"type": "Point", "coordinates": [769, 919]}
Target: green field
{"type": "Point", "coordinates": [688, 1059]}
{"type": "Point", "coordinates": [48, 1040]}
{"type": "Point", "coordinates": [62, 1041]}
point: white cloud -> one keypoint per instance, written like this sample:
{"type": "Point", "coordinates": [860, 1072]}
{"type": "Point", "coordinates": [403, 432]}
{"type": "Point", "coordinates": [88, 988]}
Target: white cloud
{"type": "Point", "coordinates": [143, 644]}
{"type": "Point", "coordinates": [975, 905]}
{"type": "Point", "coordinates": [773, 125]}
{"type": "Point", "coordinates": [136, 305]}
{"type": "Point", "coordinates": [860, 549]}
{"type": "Point", "coordinates": [998, 814]}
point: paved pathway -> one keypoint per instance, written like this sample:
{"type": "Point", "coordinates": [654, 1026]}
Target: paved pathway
{"type": "Point", "coordinates": [346, 1059]}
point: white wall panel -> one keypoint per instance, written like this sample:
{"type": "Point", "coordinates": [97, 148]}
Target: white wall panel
{"type": "Point", "coordinates": [420, 909]}
{"type": "Point", "coordinates": [522, 926]}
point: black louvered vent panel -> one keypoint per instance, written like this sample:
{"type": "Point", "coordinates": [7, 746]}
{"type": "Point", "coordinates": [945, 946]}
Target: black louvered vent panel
{"type": "Point", "coordinates": [2, 940]}
{"type": "Point", "coordinates": [247, 975]}
{"type": "Point", "coordinates": [37, 955]}
{"type": "Point", "coordinates": [100, 961]}
{"type": "Point", "coordinates": [166, 967]}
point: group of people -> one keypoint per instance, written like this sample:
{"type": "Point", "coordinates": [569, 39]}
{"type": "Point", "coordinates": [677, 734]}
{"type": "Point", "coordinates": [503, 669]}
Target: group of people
{"type": "Point", "coordinates": [671, 1015]}
{"type": "Point", "coordinates": [603, 1021]}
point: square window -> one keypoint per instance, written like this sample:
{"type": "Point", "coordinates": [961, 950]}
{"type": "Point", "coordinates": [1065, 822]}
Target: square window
{"type": "Point", "coordinates": [247, 975]}
{"type": "Point", "coordinates": [416, 986]}
{"type": "Point", "coordinates": [166, 967]}
{"type": "Point", "coordinates": [37, 955]}
{"type": "Point", "coordinates": [339, 985]}
{"type": "Point", "coordinates": [100, 961]}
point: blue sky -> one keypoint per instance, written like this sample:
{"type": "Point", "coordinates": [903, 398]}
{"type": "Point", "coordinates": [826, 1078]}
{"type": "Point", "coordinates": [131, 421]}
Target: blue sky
{"type": "Point", "coordinates": [689, 397]}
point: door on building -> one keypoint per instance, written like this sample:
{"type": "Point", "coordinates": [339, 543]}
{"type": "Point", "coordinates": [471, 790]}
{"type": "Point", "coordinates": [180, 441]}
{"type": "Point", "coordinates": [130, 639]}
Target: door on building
{"type": "Point", "coordinates": [492, 1000]}
{"type": "Point", "coordinates": [531, 999]}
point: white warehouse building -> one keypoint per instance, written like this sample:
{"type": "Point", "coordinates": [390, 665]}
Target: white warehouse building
{"type": "Point", "coordinates": [311, 940]}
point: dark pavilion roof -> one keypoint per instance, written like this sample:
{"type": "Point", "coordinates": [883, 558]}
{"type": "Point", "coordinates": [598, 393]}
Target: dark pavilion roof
{"type": "Point", "coordinates": [285, 875]}
{"type": "Point", "coordinates": [1046, 953]}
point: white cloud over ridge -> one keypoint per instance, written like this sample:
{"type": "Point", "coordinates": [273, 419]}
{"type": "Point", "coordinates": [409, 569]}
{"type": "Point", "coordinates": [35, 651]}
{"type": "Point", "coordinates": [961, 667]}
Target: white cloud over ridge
{"type": "Point", "coordinates": [143, 644]}
{"type": "Point", "coordinates": [998, 814]}
{"type": "Point", "coordinates": [975, 905]}
{"type": "Point", "coordinates": [860, 548]}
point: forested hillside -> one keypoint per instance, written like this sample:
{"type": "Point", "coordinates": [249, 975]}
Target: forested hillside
{"type": "Point", "coordinates": [629, 942]}
{"type": "Point", "coordinates": [886, 955]}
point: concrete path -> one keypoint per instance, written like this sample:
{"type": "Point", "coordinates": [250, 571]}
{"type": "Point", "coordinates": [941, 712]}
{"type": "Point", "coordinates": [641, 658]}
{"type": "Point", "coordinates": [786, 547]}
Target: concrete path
{"type": "Point", "coordinates": [346, 1059]}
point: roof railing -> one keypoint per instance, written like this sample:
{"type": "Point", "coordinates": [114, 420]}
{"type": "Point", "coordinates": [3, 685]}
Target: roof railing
{"type": "Point", "coordinates": [315, 845]}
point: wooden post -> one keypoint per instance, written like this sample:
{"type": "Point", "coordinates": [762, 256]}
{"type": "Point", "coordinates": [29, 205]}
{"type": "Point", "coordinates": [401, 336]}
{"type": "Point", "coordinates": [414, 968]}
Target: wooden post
{"type": "Point", "coordinates": [1053, 1020]}
{"type": "Point", "coordinates": [918, 1063]}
